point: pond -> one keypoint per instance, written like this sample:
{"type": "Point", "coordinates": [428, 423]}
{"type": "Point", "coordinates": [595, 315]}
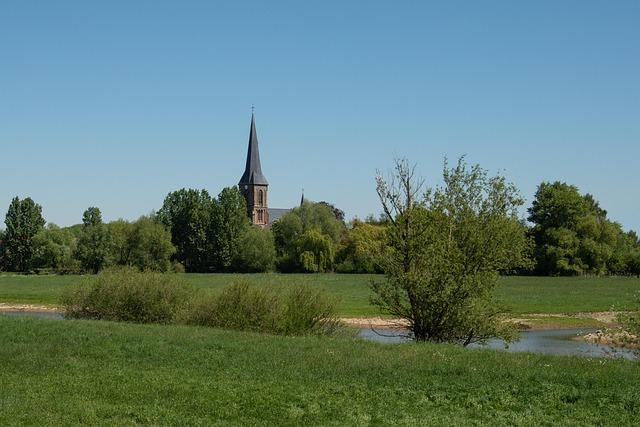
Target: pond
{"type": "Point", "coordinates": [559, 342]}
{"type": "Point", "coordinates": [552, 341]}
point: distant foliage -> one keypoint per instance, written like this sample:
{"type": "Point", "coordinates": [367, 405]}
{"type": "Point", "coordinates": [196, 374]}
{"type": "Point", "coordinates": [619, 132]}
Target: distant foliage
{"type": "Point", "coordinates": [54, 250]}
{"type": "Point", "coordinates": [187, 213]}
{"type": "Point", "coordinates": [150, 246]}
{"type": "Point", "coordinates": [256, 252]}
{"type": "Point", "coordinates": [338, 213]}
{"type": "Point", "coordinates": [229, 223]}
{"type": "Point", "coordinates": [194, 232]}
{"type": "Point", "coordinates": [93, 245]}
{"type": "Point", "coordinates": [362, 248]}
{"type": "Point", "coordinates": [205, 231]}
{"type": "Point", "coordinates": [316, 251]}
{"type": "Point", "coordinates": [128, 295]}
{"type": "Point", "coordinates": [145, 244]}
{"type": "Point", "coordinates": [23, 221]}
{"type": "Point", "coordinates": [275, 309]}
{"type": "Point", "coordinates": [573, 235]}
{"type": "Point", "coordinates": [2, 250]}
{"type": "Point", "coordinates": [306, 238]}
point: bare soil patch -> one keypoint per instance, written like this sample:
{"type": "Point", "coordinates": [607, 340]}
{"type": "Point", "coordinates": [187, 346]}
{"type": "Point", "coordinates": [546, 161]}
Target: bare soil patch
{"type": "Point", "coordinates": [534, 321]}
{"type": "Point", "coordinates": [29, 307]}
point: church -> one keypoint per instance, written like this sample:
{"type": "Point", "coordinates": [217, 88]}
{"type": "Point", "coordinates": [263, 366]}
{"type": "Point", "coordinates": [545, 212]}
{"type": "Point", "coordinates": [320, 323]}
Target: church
{"type": "Point", "coordinates": [254, 186]}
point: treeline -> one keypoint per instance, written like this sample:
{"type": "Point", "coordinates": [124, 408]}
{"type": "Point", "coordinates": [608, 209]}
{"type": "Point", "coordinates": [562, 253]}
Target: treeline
{"type": "Point", "coordinates": [573, 236]}
{"type": "Point", "coordinates": [569, 234]}
{"type": "Point", "coordinates": [28, 246]}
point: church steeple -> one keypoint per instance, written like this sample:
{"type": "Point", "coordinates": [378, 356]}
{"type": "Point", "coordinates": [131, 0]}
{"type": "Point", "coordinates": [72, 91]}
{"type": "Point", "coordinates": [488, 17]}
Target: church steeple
{"type": "Point", "coordinates": [253, 185]}
{"type": "Point", "coordinates": [253, 169]}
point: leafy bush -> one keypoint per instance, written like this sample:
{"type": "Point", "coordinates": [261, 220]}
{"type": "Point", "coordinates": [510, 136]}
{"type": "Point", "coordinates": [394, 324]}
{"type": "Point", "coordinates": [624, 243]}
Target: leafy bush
{"type": "Point", "coordinates": [276, 309]}
{"type": "Point", "coordinates": [256, 252]}
{"type": "Point", "coordinates": [126, 294]}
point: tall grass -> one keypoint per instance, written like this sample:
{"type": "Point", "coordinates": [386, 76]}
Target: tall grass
{"type": "Point", "coordinates": [278, 309]}
{"type": "Point", "coordinates": [128, 295]}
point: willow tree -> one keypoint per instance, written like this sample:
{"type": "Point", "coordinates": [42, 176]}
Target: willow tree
{"type": "Point", "coordinates": [446, 247]}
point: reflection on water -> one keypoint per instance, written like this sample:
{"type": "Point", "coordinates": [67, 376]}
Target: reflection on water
{"type": "Point", "coordinates": [557, 342]}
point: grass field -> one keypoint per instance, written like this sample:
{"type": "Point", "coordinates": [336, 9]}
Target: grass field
{"type": "Point", "coordinates": [522, 294]}
{"type": "Point", "coordinates": [102, 373]}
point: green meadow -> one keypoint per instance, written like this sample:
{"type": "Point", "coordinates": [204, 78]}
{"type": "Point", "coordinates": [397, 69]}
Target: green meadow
{"type": "Point", "coordinates": [522, 294]}
{"type": "Point", "coordinates": [104, 373]}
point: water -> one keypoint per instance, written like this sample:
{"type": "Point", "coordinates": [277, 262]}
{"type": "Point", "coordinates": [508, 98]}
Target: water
{"type": "Point", "coordinates": [557, 342]}
{"type": "Point", "coordinates": [41, 314]}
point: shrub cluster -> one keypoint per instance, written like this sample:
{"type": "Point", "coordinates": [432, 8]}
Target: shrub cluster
{"type": "Point", "coordinates": [129, 295]}
{"type": "Point", "coordinates": [275, 309]}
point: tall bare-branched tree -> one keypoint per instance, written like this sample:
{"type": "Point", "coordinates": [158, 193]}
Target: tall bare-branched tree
{"type": "Point", "coordinates": [446, 247]}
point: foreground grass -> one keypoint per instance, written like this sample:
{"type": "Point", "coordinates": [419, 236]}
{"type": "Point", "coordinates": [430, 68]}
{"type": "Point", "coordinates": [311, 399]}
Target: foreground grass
{"type": "Point", "coordinates": [83, 372]}
{"type": "Point", "coordinates": [522, 294]}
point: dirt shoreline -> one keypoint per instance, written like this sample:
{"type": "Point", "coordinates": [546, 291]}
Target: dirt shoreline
{"type": "Point", "coordinates": [29, 307]}
{"type": "Point", "coordinates": [534, 321]}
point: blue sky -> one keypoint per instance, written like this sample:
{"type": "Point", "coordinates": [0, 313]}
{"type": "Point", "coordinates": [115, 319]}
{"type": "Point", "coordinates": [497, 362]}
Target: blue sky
{"type": "Point", "coordinates": [114, 104]}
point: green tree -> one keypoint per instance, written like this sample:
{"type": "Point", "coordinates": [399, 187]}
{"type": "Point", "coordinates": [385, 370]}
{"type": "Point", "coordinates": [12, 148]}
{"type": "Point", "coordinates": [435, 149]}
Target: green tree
{"type": "Point", "coordinates": [362, 248]}
{"type": "Point", "coordinates": [188, 214]}
{"type": "Point", "coordinates": [150, 246]}
{"type": "Point", "coordinates": [54, 249]}
{"type": "Point", "coordinates": [145, 244]}
{"type": "Point", "coordinates": [633, 264]}
{"type": "Point", "coordinates": [573, 235]}
{"type": "Point", "coordinates": [291, 227]}
{"type": "Point", "coordinates": [93, 245]}
{"type": "Point", "coordinates": [445, 250]}
{"type": "Point", "coordinates": [316, 251]}
{"type": "Point", "coordinates": [338, 213]}
{"type": "Point", "coordinates": [256, 251]}
{"type": "Point", "coordinates": [120, 232]}
{"type": "Point", "coordinates": [24, 220]}
{"type": "Point", "coordinates": [229, 222]}
{"type": "Point", "coordinates": [2, 250]}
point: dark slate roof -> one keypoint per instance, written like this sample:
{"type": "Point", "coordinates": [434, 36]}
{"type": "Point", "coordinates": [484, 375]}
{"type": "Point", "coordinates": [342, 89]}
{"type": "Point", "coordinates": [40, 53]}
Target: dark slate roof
{"type": "Point", "coordinates": [276, 213]}
{"type": "Point", "coordinates": [253, 170]}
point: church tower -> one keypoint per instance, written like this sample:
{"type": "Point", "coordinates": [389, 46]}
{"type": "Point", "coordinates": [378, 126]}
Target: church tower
{"type": "Point", "coordinates": [253, 185]}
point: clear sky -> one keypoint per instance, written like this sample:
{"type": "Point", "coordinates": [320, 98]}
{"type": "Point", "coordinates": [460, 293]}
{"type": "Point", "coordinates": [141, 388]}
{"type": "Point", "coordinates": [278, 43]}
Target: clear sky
{"type": "Point", "coordinates": [115, 103]}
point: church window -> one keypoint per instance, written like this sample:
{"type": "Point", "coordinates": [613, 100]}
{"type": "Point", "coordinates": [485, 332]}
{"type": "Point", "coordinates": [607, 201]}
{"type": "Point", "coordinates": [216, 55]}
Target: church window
{"type": "Point", "coordinates": [261, 198]}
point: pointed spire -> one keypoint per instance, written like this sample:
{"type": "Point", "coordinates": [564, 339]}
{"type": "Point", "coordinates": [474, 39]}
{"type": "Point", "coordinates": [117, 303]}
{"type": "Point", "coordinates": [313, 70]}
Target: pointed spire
{"type": "Point", "coordinates": [253, 169]}
{"type": "Point", "coordinates": [302, 198]}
